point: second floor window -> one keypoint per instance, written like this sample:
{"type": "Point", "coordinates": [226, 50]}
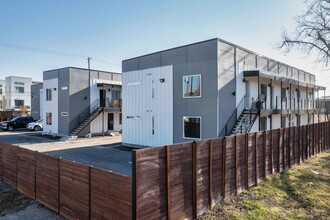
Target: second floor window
{"type": "Point", "coordinates": [192, 86]}
{"type": "Point", "coordinates": [48, 94]}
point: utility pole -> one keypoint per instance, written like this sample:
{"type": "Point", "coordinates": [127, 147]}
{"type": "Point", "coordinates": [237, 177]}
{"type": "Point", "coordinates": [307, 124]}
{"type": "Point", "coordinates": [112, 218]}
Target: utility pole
{"type": "Point", "coordinates": [89, 69]}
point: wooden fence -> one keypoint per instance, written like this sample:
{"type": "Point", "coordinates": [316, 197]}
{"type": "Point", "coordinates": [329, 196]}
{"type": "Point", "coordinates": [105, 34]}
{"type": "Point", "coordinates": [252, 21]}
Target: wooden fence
{"type": "Point", "coordinates": [184, 180]}
{"type": "Point", "coordinates": [172, 182]}
{"type": "Point", "coordinates": [73, 190]}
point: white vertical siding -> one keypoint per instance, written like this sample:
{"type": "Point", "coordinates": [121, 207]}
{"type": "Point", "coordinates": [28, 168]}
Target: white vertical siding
{"type": "Point", "coordinates": [139, 107]}
{"type": "Point", "coordinates": [51, 106]}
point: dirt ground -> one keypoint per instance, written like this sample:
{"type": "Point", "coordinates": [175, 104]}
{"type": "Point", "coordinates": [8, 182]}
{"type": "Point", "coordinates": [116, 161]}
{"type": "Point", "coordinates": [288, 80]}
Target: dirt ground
{"type": "Point", "coordinates": [14, 205]}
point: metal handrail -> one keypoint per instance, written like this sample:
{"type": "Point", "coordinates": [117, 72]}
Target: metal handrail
{"type": "Point", "coordinates": [81, 117]}
{"type": "Point", "coordinates": [224, 131]}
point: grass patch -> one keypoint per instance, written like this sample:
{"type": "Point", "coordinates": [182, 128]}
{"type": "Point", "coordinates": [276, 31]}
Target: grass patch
{"type": "Point", "coordinates": [296, 193]}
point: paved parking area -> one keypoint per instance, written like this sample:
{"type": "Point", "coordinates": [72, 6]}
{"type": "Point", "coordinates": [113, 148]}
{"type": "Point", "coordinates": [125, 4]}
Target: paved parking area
{"type": "Point", "coordinates": [101, 152]}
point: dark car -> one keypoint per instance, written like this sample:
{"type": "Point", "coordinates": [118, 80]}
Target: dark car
{"type": "Point", "coordinates": [18, 122]}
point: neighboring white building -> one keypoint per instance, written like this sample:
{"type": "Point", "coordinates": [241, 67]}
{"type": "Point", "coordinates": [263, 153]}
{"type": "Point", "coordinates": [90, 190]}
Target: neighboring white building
{"type": "Point", "coordinates": [17, 92]}
{"type": "Point", "coordinates": [2, 94]}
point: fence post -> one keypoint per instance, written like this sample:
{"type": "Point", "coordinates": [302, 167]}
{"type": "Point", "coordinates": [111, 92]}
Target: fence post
{"type": "Point", "coordinates": [35, 174]}
{"type": "Point", "coordinates": [299, 146]}
{"type": "Point", "coordinates": [224, 147]}
{"type": "Point", "coordinates": [256, 157]}
{"type": "Point", "coordinates": [246, 160]}
{"type": "Point", "coordinates": [59, 185]}
{"type": "Point", "coordinates": [271, 152]}
{"type": "Point", "coordinates": [134, 185]}
{"type": "Point", "coordinates": [89, 192]}
{"type": "Point", "coordinates": [264, 153]}
{"type": "Point", "coordinates": [210, 175]}
{"type": "Point", "coordinates": [168, 181]}
{"type": "Point", "coordinates": [236, 167]}
{"type": "Point", "coordinates": [289, 146]}
{"type": "Point", "coordinates": [313, 139]}
{"type": "Point", "coordinates": [294, 145]}
{"type": "Point", "coordinates": [284, 147]}
{"type": "Point", "coordinates": [194, 176]}
{"type": "Point", "coordinates": [279, 151]}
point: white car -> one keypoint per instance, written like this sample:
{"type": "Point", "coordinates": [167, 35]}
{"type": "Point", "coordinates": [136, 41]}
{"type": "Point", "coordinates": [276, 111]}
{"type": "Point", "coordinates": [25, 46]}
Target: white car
{"type": "Point", "coordinates": [35, 126]}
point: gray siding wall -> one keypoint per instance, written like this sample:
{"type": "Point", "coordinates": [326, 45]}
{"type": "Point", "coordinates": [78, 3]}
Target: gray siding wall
{"type": "Point", "coordinates": [200, 58]}
{"type": "Point", "coordinates": [35, 101]}
{"type": "Point", "coordinates": [226, 84]}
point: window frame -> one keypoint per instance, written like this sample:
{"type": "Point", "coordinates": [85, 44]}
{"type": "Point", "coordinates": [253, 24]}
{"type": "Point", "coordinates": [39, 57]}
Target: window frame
{"type": "Point", "coordinates": [49, 97]}
{"type": "Point", "coordinates": [200, 127]}
{"type": "Point", "coordinates": [183, 87]}
{"type": "Point", "coordinates": [49, 114]}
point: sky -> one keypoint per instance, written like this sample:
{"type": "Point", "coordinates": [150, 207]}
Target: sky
{"type": "Point", "coordinates": [39, 35]}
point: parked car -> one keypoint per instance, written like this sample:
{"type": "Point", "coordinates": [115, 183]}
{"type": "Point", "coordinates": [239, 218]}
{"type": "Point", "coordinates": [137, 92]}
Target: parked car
{"type": "Point", "coordinates": [35, 126]}
{"type": "Point", "coordinates": [18, 122]}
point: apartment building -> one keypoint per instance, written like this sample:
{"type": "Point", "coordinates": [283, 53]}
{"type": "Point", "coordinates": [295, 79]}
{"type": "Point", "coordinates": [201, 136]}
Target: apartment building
{"type": "Point", "coordinates": [211, 89]}
{"type": "Point", "coordinates": [17, 93]}
{"type": "Point", "coordinates": [79, 101]}
{"type": "Point", "coordinates": [2, 95]}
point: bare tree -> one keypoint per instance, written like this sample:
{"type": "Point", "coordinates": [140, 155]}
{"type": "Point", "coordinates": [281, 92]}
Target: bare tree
{"type": "Point", "coordinates": [312, 34]}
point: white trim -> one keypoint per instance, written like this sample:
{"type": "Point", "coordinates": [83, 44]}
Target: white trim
{"type": "Point", "coordinates": [200, 92]}
{"type": "Point", "coordinates": [200, 127]}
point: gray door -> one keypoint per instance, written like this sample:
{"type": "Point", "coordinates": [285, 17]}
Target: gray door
{"type": "Point", "coordinates": [110, 121]}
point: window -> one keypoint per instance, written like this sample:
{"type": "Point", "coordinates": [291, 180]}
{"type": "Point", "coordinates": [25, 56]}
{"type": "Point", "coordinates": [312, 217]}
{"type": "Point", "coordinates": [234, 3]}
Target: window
{"type": "Point", "coordinates": [263, 123]}
{"type": "Point", "coordinates": [283, 121]}
{"type": "Point", "coordinates": [0, 89]}
{"type": "Point", "coordinates": [192, 127]}
{"type": "Point", "coordinates": [192, 86]}
{"type": "Point", "coordinates": [120, 118]}
{"type": "Point", "coordinates": [19, 89]}
{"type": "Point", "coordinates": [19, 103]}
{"type": "Point", "coordinates": [115, 94]}
{"type": "Point", "coordinates": [48, 118]}
{"type": "Point", "coordinates": [1, 105]}
{"type": "Point", "coordinates": [48, 94]}
{"type": "Point", "coordinates": [153, 125]}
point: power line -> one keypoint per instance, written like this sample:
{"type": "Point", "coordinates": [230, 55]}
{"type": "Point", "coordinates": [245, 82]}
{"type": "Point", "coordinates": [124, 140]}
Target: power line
{"type": "Point", "coordinates": [51, 52]}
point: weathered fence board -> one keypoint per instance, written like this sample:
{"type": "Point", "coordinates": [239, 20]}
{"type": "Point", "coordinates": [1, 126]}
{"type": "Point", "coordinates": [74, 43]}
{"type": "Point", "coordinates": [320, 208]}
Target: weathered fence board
{"type": "Point", "coordinates": [47, 181]}
{"type": "Point", "coordinates": [9, 163]}
{"type": "Point", "coordinates": [26, 172]}
{"type": "Point", "coordinates": [74, 190]}
{"type": "Point", "coordinates": [111, 195]}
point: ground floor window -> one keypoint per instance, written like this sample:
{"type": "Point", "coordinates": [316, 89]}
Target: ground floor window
{"type": "Point", "coordinates": [192, 127]}
{"type": "Point", "coordinates": [19, 103]}
{"type": "Point", "coordinates": [48, 118]}
{"type": "Point", "coordinates": [263, 123]}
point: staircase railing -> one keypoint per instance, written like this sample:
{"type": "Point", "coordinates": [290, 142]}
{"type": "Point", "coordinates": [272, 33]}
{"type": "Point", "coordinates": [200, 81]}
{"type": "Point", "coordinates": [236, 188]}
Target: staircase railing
{"type": "Point", "coordinates": [248, 118]}
{"type": "Point", "coordinates": [81, 117]}
{"type": "Point", "coordinates": [232, 119]}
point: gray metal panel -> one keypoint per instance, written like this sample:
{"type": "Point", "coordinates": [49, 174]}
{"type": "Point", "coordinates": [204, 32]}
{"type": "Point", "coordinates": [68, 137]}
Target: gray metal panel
{"type": "Point", "coordinates": [51, 74]}
{"type": "Point", "coordinates": [273, 66]}
{"type": "Point", "coordinates": [227, 82]}
{"type": "Point", "coordinates": [200, 58]}
{"type": "Point", "coordinates": [64, 100]}
{"type": "Point", "coordinates": [262, 63]}
{"type": "Point", "coordinates": [35, 100]}
{"type": "Point", "coordinates": [79, 92]}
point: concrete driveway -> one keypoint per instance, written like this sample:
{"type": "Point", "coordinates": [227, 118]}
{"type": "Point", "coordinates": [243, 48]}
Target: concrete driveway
{"type": "Point", "coordinates": [100, 152]}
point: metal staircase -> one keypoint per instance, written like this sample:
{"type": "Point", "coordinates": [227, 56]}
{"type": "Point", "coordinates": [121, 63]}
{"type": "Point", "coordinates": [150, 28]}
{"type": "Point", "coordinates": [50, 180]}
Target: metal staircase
{"type": "Point", "coordinates": [85, 118]}
{"type": "Point", "coordinates": [86, 121]}
{"type": "Point", "coordinates": [245, 121]}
